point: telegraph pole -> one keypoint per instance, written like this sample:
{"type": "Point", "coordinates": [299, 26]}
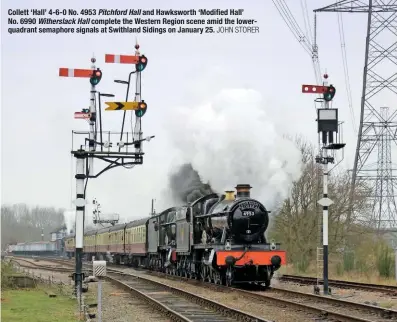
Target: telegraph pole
{"type": "Point", "coordinates": [327, 126]}
{"type": "Point", "coordinates": [153, 212]}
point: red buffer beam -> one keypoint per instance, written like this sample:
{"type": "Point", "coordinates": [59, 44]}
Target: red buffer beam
{"type": "Point", "coordinates": [121, 59]}
{"type": "Point", "coordinates": [73, 72]}
{"type": "Point", "coordinates": [314, 89]}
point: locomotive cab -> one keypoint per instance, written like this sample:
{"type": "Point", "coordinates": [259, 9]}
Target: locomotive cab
{"type": "Point", "coordinates": [166, 225]}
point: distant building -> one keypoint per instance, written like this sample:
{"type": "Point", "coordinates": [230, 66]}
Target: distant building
{"type": "Point", "coordinates": [59, 233]}
{"type": "Point", "coordinates": [57, 237]}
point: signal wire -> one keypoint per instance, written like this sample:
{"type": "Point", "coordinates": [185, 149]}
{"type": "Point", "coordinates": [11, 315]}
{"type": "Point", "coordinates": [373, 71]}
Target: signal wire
{"type": "Point", "coordinates": [306, 20]}
{"type": "Point", "coordinates": [308, 42]}
{"type": "Point", "coordinates": [293, 26]}
{"type": "Point", "coordinates": [346, 69]}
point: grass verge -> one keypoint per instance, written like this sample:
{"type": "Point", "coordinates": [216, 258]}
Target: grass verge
{"type": "Point", "coordinates": [353, 276]}
{"type": "Point", "coordinates": [34, 305]}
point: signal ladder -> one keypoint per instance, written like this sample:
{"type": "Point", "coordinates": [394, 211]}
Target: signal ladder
{"type": "Point", "coordinates": [320, 265]}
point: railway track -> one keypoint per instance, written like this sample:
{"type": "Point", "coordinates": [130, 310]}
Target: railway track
{"type": "Point", "coordinates": [177, 303]}
{"type": "Point", "coordinates": [36, 265]}
{"type": "Point", "coordinates": [387, 289]}
{"type": "Point", "coordinates": [173, 302]}
{"type": "Point", "coordinates": [327, 308]}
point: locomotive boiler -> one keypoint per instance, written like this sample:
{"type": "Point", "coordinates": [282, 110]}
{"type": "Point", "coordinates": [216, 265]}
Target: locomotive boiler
{"type": "Point", "coordinates": [237, 219]}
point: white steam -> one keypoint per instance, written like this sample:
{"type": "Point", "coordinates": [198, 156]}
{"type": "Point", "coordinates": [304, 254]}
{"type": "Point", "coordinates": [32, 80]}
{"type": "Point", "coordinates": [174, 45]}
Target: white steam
{"type": "Point", "coordinates": [70, 216]}
{"type": "Point", "coordinates": [231, 140]}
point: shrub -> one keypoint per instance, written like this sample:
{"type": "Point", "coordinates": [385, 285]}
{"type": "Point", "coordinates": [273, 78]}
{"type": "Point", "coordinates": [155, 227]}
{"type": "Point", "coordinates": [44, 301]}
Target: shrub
{"type": "Point", "coordinates": [385, 261]}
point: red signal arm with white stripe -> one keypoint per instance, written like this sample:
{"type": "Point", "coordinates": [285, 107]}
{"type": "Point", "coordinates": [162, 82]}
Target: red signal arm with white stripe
{"type": "Point", "coordinates": [73, 72]}
{"type": "Point", "coordinates": [121, 59]}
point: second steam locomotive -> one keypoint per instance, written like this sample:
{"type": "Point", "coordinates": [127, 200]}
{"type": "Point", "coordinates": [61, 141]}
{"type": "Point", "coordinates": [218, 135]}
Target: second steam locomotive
{"type": "Point", "coordinates": [217, 238]}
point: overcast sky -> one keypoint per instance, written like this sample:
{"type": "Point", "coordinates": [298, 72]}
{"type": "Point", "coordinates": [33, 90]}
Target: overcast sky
{"type": "Point", "coordinates": [183, 70]}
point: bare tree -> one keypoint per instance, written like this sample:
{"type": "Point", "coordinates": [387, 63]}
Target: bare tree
{"type": "Point", "coordinates": [296, 223]}
{"type": "Point", "coordinates": [19, 223]}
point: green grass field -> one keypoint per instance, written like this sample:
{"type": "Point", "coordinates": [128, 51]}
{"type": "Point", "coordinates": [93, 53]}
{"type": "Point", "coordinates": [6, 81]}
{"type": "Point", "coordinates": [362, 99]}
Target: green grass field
{"type": "Point", "coordinates": [34, 305]}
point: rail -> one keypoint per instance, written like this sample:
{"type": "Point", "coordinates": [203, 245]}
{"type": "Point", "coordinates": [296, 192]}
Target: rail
{"type": "Point", "coordinates": [381, 288]}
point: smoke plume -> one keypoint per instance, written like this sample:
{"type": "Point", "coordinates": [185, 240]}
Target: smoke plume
{"type": "Point", "coordinates": [186, 186]}
{"type": "Point", "coordinates": [69, 216]}
{"type": "Point", "coordinates": [231, 139]}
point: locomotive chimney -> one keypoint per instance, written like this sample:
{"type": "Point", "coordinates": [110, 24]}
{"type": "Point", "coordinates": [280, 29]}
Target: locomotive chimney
{"type": "Point", "coordinates": [229, 195]}
{"type": "Point", "coordinates": [243, 190]}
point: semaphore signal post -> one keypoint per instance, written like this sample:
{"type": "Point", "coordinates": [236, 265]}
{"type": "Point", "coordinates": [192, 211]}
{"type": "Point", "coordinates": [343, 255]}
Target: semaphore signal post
{"type": "Point", "coordinates": [329, 140]}
{"type": "Point", "coordinates": [116, 152]}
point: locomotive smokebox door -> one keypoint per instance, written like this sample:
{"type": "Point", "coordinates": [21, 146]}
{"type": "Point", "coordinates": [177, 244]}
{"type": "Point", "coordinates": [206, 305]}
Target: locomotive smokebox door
{"type": "Point", "coordinates": [99, 268]}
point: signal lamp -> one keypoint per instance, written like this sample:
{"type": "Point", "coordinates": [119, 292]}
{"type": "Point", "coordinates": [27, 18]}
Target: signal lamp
{"type": "Point", "coordinates": [141, 65]}
{"type": "Point", "coordinates": [329, 93]}
{"type": "Point", "coordinates": [142, 107]}
{"type": "Point", "coordinates": [96, 77]}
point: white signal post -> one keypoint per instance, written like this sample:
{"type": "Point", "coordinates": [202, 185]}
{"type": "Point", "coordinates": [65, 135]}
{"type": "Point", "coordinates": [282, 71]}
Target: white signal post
{"type": "Point", "coordinates": [325, 202]}
{"type": "Point", "coordinates": [138, 123]}
{"type": "Point", "coordinates": [115, 159]}
{"type": "Point", "coordinates": [80, 156]}
{"type": "Point", "coordinates": [129, 59]}
{"type": "Point", "coordinates": [92, 144]}
{"type": "Point", "coordinates": [327, 120]}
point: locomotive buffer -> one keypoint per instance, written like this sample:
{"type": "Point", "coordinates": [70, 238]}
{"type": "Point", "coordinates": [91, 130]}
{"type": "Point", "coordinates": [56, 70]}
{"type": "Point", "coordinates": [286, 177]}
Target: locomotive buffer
{"type": "Point", "coordinates": [328, 129]}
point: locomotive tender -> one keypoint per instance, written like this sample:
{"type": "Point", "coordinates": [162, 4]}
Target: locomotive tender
{"type": "Point", "coordinates": [217, 238]}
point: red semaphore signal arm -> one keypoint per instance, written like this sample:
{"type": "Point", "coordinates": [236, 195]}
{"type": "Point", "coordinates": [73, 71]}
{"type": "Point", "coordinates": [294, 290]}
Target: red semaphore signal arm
{"type": "Point", "coordinates": [121, 59]}
{"type": "Point", "coordinates": [314, 89]}
{"type": "Point", "coordinates": [73, 72]}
